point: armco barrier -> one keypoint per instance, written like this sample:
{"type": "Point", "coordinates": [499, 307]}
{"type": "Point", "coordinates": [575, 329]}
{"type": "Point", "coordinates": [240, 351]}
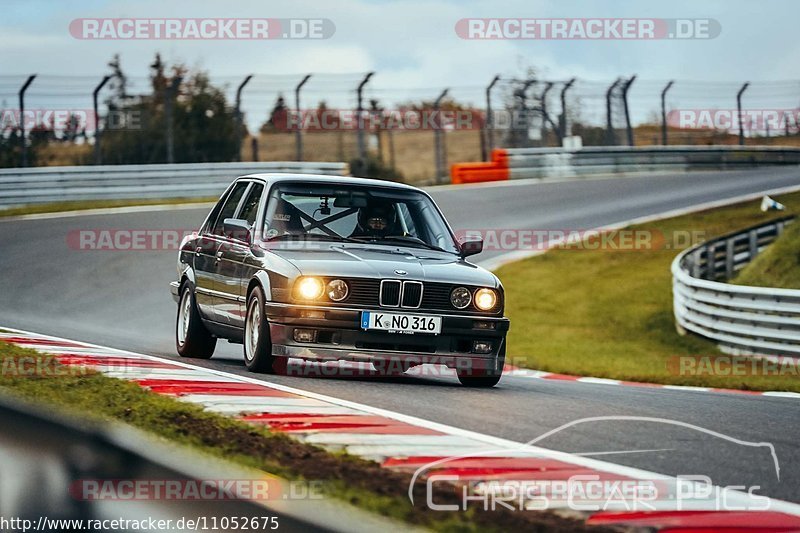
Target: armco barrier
{"type": "Point", "coordinates": [519, 163]}
{"type": "Point", "coordinates": [741, 319]}
{"type": "Point", "coordinates": [46, 459]}
{"type": "Point", "coordinates": [183, 180]}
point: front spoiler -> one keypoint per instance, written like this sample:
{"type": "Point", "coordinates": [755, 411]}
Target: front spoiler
{"type": "Point", "coordinates": [379, 359]}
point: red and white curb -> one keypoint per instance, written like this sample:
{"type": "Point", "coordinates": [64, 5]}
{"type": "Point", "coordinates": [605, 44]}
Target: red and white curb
{"type": "Point", "coordinates": [538, 374]}
{"type": "Point", "coordinates": [406, 443]}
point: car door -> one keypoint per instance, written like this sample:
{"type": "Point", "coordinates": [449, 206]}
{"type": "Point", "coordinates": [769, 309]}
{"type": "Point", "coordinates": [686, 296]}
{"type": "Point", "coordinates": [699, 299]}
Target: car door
{"type": "Point", "coordinates": [207, 252]}
{"type": "Point", "coordinates": [230, 267]}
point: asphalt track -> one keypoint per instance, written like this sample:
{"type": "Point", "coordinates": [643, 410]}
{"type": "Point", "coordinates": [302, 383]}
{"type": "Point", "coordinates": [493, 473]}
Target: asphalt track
{"type": "Point", "coordinates": [121, 299]}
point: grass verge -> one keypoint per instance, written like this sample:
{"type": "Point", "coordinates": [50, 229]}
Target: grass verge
{"type": "Point", "coordinates": [608, 313]}
{"type": "Point", "coordinates": [778, 265]}
{"type": "Point", "coordinates": [38, 377]}
{"type": "Point", "coordinates": [57, 207]}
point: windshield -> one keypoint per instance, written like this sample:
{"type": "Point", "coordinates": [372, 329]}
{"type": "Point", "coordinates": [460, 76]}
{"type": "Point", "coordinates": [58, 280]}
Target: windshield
{"type": "Point", "coordinates": [355, 214]}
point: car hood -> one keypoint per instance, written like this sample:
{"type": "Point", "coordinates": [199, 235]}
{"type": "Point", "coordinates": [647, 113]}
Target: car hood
{"type": "Point", "coordinates": [382, 262]}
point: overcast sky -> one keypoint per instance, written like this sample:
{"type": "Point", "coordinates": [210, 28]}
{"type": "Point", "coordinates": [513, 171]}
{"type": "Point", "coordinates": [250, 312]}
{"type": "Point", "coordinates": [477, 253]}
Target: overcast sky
{"type": "Point", "coordinates": [413, 45]}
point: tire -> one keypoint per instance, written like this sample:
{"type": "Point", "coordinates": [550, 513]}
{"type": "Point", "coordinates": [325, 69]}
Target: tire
{"type": "Point", "coordinates": [488, 378]}
{"type": "Point", "coordinates": [257, 344]}
{"type": "Point", "coordinates": [192, 339]}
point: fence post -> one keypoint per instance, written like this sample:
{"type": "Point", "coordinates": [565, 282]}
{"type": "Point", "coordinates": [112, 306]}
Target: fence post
{"type": "Point", "coordinates": [488, 124]}
{"type": "Point", "coordinates": [739, 112]}
{"type": "Point", "coordinates": [664, 112]}
{"type": "Point", "coordinates": [254, 148]}
{"type": "Point", "coordinates": [545, 116]}
{"type": "Point", "coordinates": [562, 123]}
{"type": "Point", "coordinates": [362, 147]}
{"type": "Point", "coordinates": [522, 106]}
{"type": "Point", "coordinates": [628, 127]}
{"type": "Point", "coordinates": [24, 147]}
{"type": "Point", "coordinates": [752, 243]}
{"type": "Point", "coordinates": [238, 116]}
{"type": "Point", "coordinates": [696, 258]}
{"type": "Point", "coordinates": [729, 253]}
{"type": "Point", "coordinates": [169, 103]}
{"type": "Point", "coordinates": [438, 141]}
{"type": "Point", "coordinates": [298, 135]}
{"type": "Point", "coordinates": [711, 261]}
{"type": "Point", "coordinates": [610, 137]}
{"type": "Point", "coordinates": [98, 157]}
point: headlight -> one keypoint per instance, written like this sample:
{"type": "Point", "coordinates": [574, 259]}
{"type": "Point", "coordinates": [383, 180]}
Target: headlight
{"type": "Point", "coordinates": [337, 290]}
{"type": "Point", "coordinates": [460, 297]}
{"type": "Point", "coordinates": [485, 299]}
{"type": "Point", "coordinates": [309, 288]}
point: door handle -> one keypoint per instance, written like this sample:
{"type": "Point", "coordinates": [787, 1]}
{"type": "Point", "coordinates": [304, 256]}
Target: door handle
{"type": "Point", "coordinates": [219, 255]}
{"type": "Point", "coordinates": [197, 251]}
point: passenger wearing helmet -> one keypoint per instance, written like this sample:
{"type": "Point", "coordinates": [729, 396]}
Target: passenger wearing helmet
{"type": "Point", "coordinates": [376, 221]}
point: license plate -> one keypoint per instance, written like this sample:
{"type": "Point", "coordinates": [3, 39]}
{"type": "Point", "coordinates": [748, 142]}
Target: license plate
{"type": "Point", "coordinates": [401, 322]}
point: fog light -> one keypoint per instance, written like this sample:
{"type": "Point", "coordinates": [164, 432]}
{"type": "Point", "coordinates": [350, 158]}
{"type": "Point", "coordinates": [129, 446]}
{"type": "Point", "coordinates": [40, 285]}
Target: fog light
{"type": "Point", "coordinates": [481, 346]}
{"type": "Point", "coordinates": [305, 335]}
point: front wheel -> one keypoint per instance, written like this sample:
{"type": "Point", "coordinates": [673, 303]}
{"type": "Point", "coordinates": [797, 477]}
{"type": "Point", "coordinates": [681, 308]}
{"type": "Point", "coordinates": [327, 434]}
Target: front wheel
{"type": "Point", "coordinates": [192, 339]}
{"type": "Point", "coordinates": [257, 344]}
{"type": "Point", "coordinates": [484, 378]}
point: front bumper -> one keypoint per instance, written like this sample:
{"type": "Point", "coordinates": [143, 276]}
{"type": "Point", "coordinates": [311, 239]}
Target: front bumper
{"type": "Point", "coordinates": [340, 337]}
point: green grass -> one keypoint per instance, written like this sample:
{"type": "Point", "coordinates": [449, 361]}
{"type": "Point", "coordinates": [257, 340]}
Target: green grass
{"type": "Point", "coordinates": [90, 395]}
{"type": "Point", "coordinates": [57, 207]}
{"type": "Point", "coordinates": [778, 265]}
{"type": "Point", "coordinates": [609, 314]}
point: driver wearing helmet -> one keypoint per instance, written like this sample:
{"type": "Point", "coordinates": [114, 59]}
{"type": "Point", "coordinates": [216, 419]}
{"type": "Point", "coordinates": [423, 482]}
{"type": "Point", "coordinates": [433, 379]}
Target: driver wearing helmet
{"type": "Point", "coordinates": [376, 220]}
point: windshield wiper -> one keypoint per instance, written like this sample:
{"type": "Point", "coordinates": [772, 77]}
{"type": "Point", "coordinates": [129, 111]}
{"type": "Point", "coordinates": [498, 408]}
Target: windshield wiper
{"type": "Point", "coordinates": [307, 236]}
{"type": "Point", "coordinates": [409, 239]}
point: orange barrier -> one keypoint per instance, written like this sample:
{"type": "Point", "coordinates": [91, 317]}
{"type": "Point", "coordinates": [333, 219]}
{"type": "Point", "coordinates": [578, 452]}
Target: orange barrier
{"type": "Point", "coordinates": [494, 170]}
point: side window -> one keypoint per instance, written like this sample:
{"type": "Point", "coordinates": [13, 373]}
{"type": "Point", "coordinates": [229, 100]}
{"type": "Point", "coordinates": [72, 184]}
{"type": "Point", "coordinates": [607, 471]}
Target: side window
{"type": "Point", "coordinates": [250, 207]}
{"type": "Point", "coordinates": [229, 208]}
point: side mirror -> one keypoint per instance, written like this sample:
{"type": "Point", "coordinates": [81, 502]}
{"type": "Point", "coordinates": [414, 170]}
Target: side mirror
{"type": "Point", "coordinates": [471, 246]}
{"type": "Point", "coordinates": [238, 229]}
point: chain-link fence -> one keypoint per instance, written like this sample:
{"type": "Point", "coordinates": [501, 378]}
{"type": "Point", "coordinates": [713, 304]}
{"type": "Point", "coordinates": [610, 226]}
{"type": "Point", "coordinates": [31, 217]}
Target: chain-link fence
{"type": "Point", "coordinates": [408, 133]}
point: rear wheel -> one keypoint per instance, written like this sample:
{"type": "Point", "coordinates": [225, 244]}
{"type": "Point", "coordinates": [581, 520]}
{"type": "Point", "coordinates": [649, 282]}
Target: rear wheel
{"type": "Point", "coordinates": [257, 344]}
{"type": "Point", "coordinates": [484, 378]}
{"type": "Point", "coordinates": [192, 339]}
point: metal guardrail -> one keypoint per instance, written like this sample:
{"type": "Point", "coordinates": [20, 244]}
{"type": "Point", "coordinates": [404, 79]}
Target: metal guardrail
{"type": "Point", "coordinates": [544, 163]}
{"type": "Point", "coordinates": [559, 162]}
{"type": "Point", "coordinates": [43, 459]}
{"type": "Point", "coordinates": [741, 319]}
{"type": "Point", "coordinates": [20, 186]}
